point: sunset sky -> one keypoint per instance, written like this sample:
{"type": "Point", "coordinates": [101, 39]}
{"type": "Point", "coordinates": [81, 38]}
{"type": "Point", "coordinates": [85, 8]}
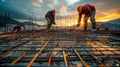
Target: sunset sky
{"type": "Point", "coordinates": [21, 9]}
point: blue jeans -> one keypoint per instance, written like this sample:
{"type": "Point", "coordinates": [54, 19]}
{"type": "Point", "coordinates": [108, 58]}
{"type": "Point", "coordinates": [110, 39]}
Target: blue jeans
{"type": "Point", "coordinates": [49, 23]}
{"type": "Point", "coordinates": [92, 19]}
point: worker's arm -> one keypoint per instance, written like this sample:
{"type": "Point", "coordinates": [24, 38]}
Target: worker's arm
{"type": "Point", "coordinates": [53, 19]}
{"type": "Point", "coordinates": [13, 29]}
{"type": "Point", "coordinates": [79, 20]}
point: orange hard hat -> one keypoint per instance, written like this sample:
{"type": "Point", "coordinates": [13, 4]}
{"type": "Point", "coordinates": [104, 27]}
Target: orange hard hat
{"type": "Point", "coordinates": [53, 11]}
{"type": "Point", "coordinates": [79, 8]}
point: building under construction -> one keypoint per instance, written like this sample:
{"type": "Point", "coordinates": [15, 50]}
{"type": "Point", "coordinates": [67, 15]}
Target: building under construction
{"type": "Point", "coordinates": [60, 48]}
{"type": "Point", "coordinates": [64, 45]}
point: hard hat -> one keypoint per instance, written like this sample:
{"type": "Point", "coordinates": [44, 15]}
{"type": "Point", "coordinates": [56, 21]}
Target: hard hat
{"type": "Point", "coordinates": [79, 8]}
{"type": "Point", "coordinates": [53, 11]}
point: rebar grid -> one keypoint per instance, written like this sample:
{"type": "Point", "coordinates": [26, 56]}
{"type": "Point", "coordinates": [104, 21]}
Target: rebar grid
{"type": "Point", "coordinates": [61, 48]}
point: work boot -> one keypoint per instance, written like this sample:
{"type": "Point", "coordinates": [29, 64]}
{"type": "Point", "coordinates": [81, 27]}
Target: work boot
{"type": "Point", "coordinates": [84, 30]}
{"type": "Point", "coordinates": [93, 30]}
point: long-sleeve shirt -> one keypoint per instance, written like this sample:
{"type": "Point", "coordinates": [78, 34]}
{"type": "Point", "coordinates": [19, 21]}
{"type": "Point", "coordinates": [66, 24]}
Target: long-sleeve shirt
{"type": "Point", "coordinates": [86, 9]}
{"type": "Point", "coordinates": [50, 16]}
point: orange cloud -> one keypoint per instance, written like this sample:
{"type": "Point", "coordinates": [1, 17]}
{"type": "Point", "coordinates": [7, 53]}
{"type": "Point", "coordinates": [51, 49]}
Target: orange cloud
{"type": "Point", "coordinates": [111, 16]}
{"type": "Point", "coordinates": [63, 8]}
{"type": "Point", "coordinates": [100, 16]}
{"type": "Point", "coordinates": [108, 15]}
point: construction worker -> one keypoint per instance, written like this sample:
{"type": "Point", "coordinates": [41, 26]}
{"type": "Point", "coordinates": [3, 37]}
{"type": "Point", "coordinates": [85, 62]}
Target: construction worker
{"type": "Point", "coordinates": [16, 27]}
{"type": "Point", "coordinates": [89, 11]}
{"type": "Point", "coordinates": [50, 17]}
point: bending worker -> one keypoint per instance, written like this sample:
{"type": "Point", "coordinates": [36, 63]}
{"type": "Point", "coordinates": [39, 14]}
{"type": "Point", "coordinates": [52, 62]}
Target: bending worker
{"type": "Point", "coordinates": [50, 17]}
{"type": "Point", "coordinates": [89, 11]}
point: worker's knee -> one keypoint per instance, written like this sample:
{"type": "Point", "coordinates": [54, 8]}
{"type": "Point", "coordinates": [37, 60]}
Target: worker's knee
{"type": "Point", "coordinates": [92, 19]}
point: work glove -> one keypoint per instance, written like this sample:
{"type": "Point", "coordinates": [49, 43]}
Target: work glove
{"type": "Point", "coordinates": [54, 23]}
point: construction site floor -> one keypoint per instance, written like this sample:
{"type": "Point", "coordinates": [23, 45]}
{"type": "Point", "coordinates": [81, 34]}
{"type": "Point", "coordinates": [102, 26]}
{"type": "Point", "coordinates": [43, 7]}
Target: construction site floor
{"type": "Point", "coordinates": [58, 48]}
